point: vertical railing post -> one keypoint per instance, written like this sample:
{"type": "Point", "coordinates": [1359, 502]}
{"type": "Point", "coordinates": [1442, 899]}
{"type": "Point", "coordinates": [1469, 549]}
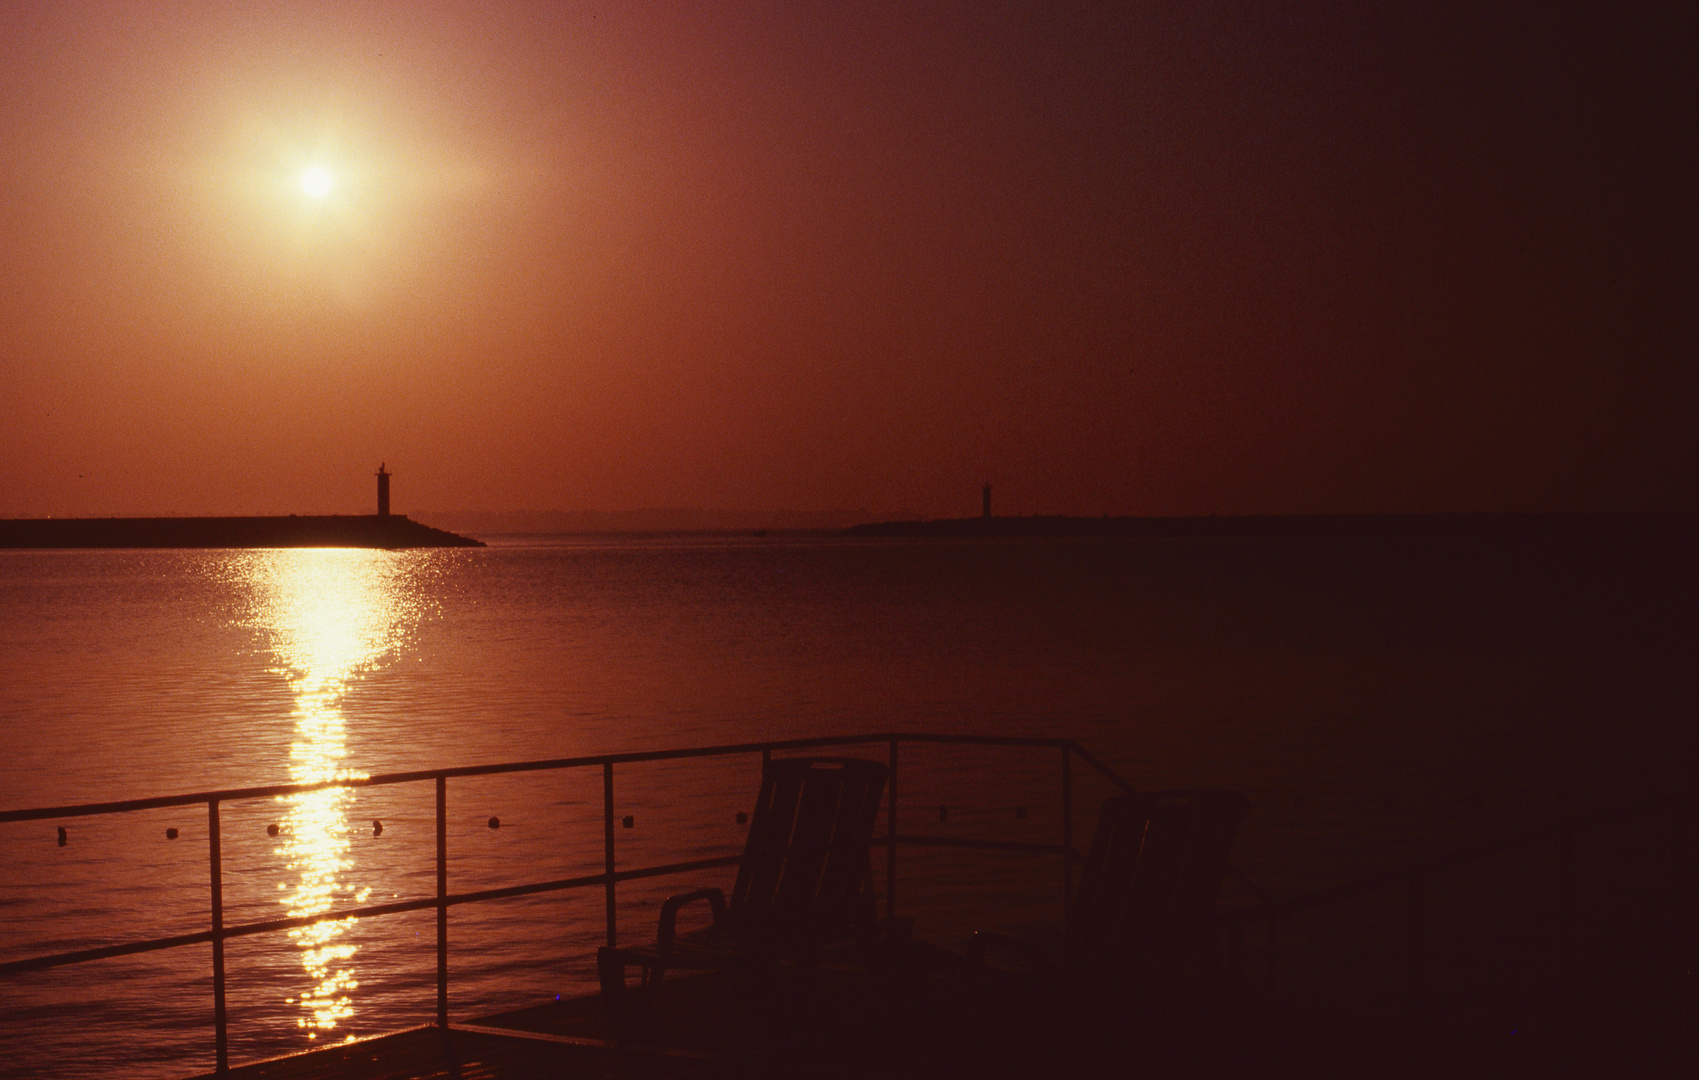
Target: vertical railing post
{"type": "Point", "coordinates": [1674, 925]}
{"type": "Point", "coordinates": [1565, 854]}
{"type": "Point", "coordinates": [1418, 918]}
{"type": "Point", "coordinates": [608, 846]}
{"type": "Point", "coordinates": [442, 902]}
{"type": "Point", "coordinates": [215, 858]}
{"type": "Point", "coordinates": [891, 838]}
{"type": "Point", "coordinates": [1067, 837]}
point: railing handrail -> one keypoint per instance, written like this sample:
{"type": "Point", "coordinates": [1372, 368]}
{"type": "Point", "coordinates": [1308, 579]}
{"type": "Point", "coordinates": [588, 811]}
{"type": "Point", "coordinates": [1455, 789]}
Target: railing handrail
{"type": "Point", "coordinates": [1413, 878]}
{"type": "Point", "coordinates": [196, 798]}
{"type": "Point", "coordinates": [219, 933]}
{"type": "Point", "coordinates": [607, 878]}
{"type": "Point", "coordinates": [1404, 875]}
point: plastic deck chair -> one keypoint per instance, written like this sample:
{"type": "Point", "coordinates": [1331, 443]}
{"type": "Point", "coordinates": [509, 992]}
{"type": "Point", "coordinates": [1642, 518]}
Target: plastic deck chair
{"type": "Point", "coordinates": [804, 883]}
{"type": "Point", "coordinates": [1145, 913]}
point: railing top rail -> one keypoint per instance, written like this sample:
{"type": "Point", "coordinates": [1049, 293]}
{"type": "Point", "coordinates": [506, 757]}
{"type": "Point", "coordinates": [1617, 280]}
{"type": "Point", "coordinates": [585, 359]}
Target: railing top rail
{"type": "Point", "coordinates": [414, 776]}
{"type": "Point", "coordinates": [1110, 774]}
{"type": "Point", "coordinates": [1426, 867]}
{"type": "Point", "coordinates": [213, 798]}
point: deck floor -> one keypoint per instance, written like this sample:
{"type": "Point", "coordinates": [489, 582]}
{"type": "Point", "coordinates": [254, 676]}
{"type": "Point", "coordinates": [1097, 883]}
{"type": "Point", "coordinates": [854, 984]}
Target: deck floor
{"type": "Point", "coordinates": [926, 1017]}
{"type": "Point", "coordinates": [704, 1025]}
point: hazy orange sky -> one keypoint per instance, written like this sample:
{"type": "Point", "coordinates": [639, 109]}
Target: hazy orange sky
{"type": "Point", "coordinates": [1113, 258]}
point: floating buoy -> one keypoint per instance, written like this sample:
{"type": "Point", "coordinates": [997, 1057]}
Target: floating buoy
{"type": "Point", "coordinates": [495, 823]}
{"type": "Point", "coordinates": [63, 838]}
{"type": "Point", "coordinates": [271, 830]}
{"type": "Point", "coordinates": [377, 827]}
{"type": "Point", "coordinates": [171, 833]}
{"type": "Point", "coordinates": [628, 821]}
{"type": "Point", "coordinates": [742, 818]}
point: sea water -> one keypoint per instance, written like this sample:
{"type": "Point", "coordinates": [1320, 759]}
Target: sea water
{"type": "Point", "coordinates": [1378, 699]}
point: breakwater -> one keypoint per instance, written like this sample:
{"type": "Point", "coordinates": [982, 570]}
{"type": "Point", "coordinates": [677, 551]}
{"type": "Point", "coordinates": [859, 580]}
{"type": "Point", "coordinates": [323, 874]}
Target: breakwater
{"type": "Point", "coordinates": [1673, 525]}
{"type": "Point", "coordinates": [331, 530]}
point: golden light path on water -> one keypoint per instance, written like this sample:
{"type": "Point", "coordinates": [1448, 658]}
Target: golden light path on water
{"type": "Point", "coordinates": [331, 615]}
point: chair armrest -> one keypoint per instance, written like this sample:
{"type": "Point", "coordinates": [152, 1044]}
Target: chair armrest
{"type": "Point", "coordinates": [669, 912]}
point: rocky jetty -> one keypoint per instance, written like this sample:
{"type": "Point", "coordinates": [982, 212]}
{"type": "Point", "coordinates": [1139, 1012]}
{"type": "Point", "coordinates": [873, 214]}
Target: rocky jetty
{"type": "Point", "coordinates": [338, 530]}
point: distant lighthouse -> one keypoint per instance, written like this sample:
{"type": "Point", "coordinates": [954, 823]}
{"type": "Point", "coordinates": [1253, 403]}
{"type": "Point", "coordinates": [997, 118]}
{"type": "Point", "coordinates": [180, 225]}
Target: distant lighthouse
{"type": "Point", "coordinates": [383, 491]}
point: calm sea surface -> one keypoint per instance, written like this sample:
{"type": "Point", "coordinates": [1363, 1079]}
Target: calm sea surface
{"type": "Point", "coordinates": [1378, 699]}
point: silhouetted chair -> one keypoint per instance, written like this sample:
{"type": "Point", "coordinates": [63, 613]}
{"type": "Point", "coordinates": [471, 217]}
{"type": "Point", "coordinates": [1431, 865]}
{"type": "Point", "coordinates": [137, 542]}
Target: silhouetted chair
{"type": "Point", "coordinates": [1145, 913]}
{"type": "Point", "coordinates": [804, 882]}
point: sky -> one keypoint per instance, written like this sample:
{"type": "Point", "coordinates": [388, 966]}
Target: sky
{"type": "Point", "coordinates": [1112, 258]}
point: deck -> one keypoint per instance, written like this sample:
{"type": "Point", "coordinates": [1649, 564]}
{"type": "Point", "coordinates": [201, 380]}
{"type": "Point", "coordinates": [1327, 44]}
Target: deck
{"type": "Point", "coordinates": [928, 1015]}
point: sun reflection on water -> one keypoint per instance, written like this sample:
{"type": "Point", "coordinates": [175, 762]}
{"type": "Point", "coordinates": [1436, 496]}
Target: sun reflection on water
{"type": "Point", "coordinates": [331, 615]}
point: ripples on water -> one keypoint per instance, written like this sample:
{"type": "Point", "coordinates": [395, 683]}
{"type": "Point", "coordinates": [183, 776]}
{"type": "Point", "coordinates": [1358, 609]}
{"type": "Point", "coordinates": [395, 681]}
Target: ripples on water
{"type": "Point", "coordinates": [1376, 699]}
{"type": "Point", "coordinates": [328, 618]}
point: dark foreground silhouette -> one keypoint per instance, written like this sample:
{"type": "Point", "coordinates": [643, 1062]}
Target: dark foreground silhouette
{"type": "Point", "coordinates": [339, 530]}
{"type": "Point", "coordinates": [805, 882]}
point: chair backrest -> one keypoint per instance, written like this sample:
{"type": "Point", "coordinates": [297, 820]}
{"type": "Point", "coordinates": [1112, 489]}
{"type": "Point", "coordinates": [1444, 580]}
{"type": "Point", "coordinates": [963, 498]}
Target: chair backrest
{"type": "Point", "coordinates": [1149, 890]}
{"type": "Point", "coordinates": [805, 878]}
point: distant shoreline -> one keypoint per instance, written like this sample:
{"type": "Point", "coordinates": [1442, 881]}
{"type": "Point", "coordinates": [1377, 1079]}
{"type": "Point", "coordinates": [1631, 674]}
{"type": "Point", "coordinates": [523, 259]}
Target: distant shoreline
{"type": "Point", "coordinates": [1459, 524]}
{"type": "Point", "coordinates": [337, 530]}
{"type": "Point", "coordinates": [399, 531]}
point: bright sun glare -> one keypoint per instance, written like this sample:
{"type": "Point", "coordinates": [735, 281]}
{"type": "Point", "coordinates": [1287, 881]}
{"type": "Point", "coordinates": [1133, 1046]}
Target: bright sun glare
{"type": "Point", "coordinates": [316, 182]}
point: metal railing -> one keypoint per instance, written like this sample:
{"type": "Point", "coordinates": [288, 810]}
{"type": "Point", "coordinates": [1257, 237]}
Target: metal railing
{"type": "Point", "coordinates": [610, 877]}
{"type": "Point", "coordinates": [1266, 910]}
{"type": "Point", "coordinates": [1413, 880]}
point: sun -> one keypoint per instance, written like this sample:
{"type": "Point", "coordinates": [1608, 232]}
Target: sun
{"type": "Point", "coordinates": [317, 182]}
